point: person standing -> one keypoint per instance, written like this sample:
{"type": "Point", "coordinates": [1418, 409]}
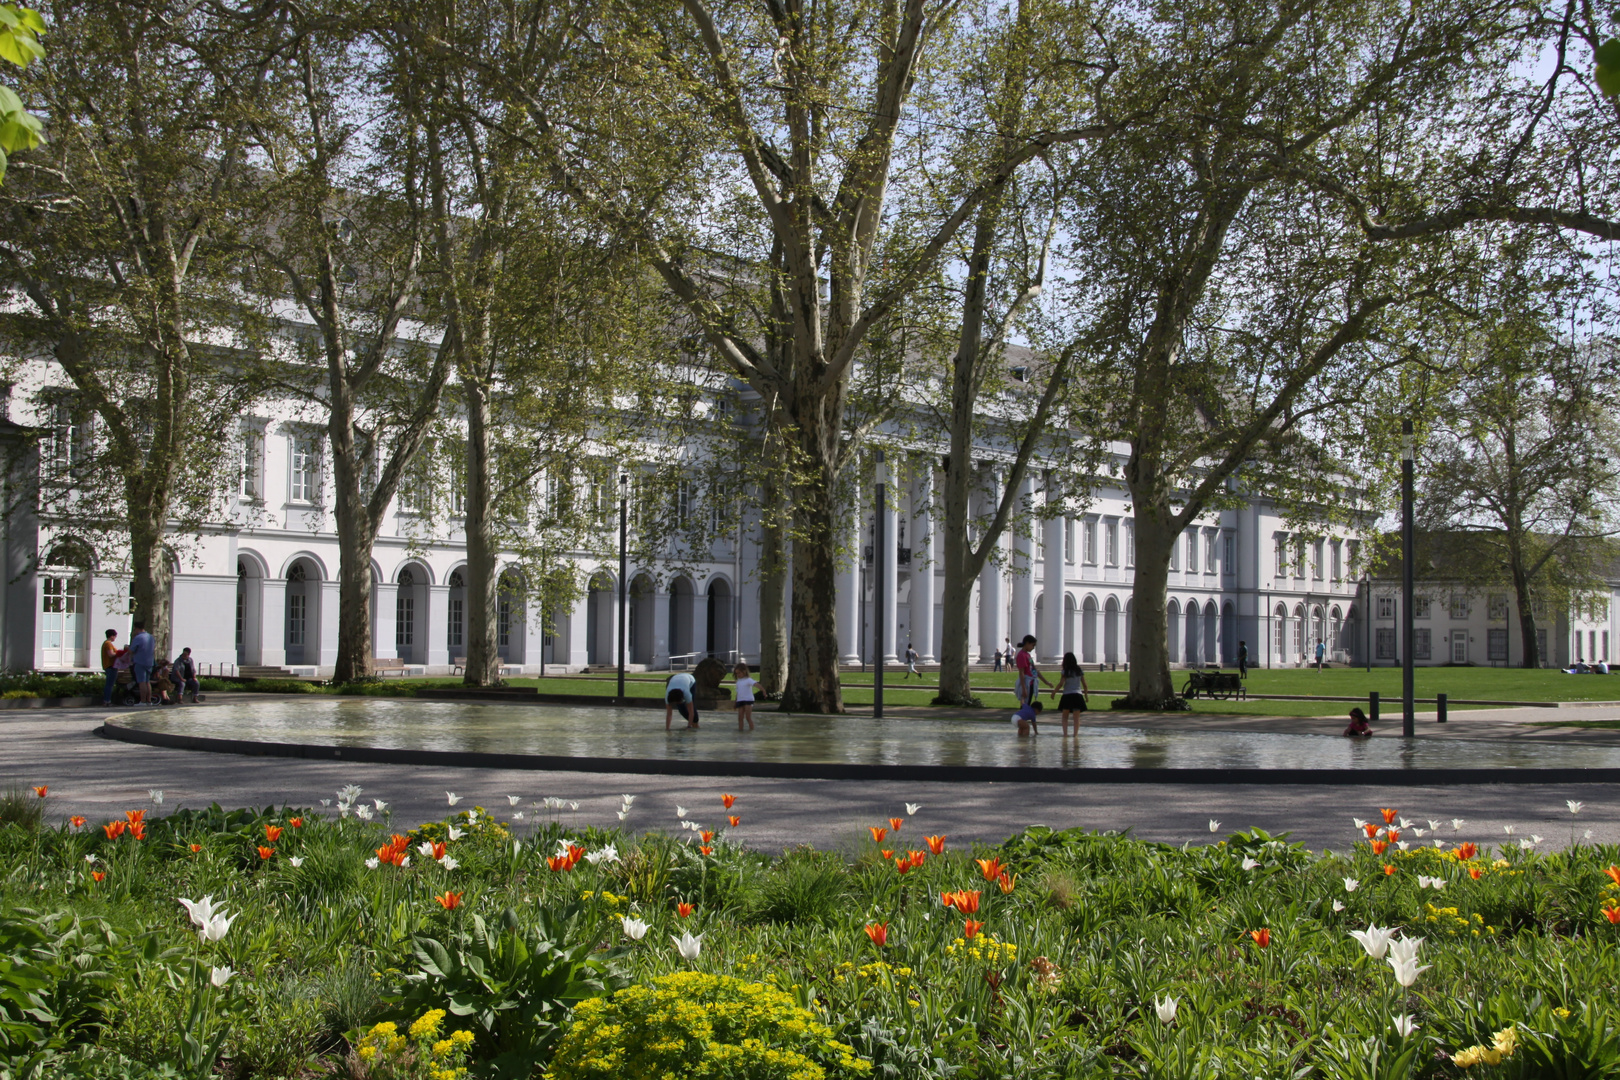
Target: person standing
{"type": "Point", "coordinates": [997, 661]}
{"type": "Point", "coordinates": [142, 655]}
{"type": "Point", "coordinates": [1073, 678]}
{"type": "Point", "coordinates": [109, 657]}
{"type": "Point", "coordinates": [1027, 672]}
{"type": "Point", "coordinates": [911, 662]}
{"type": "Point", "coordinates": [185, 677]}
{"type": "Point", "coordinates": [745, 695]}
{"type": "Point", "coordinates": [1243, 660]}
{"type": "Point", "coordinates": [1321, 653]}
{"type": "Point", "coordinates": [678, 695]}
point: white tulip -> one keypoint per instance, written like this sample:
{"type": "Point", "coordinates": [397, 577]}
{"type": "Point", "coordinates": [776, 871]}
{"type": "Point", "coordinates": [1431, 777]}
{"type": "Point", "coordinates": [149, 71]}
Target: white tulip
{"type": "Point", "coordinates": [1404, 1026]}
{"type": "Point", "coordinates": [1350, 884]}
{"type": "Point", "coordinates": [364, 813]}
{"type": "Point", "coordinates": [220, 976]}
{"type": "Point", "coordinates": [1439, 843]}
{"type": "Point", "coordinates": [629, 800]}
{"type": "Point", "coordinates": [453, 797]}
{"type": "Point", "coordinates": [912, 808]}
{"type": "Point", "coordinates": [573, 806]}
{"type": "Point", "coordinates": [1526, 844]}
{"type": "Point", "coordinates": [1374, 940]}
{"type": "Point", "coordinates": [156, 795]}
{"type": "Point", "coordinates": [1587, 835]}
{"type": "Point", "coordinates": [1402, 844]}
{"type": "Point", "coordinates": [381, 806]}
{"type": "Point", "coordinates": [296, 861]}
{"type": "Point", "coordinates": [425, 848]}
{"type": "Point", "coordinates": [634, 928]}
{"type": "Point", "coordinates": [624, 815]}
{"type": "Point", "coordinates": [326, 802]}
{"type": "Point", "coordinates": [349, 792]}
{"type": "Point", "coordinates": [518, 816]}
{"type": "Point", "coordinates": [1166, 1009]}
{"type": "Point", "coordinates": [218, 926]}
{"type": "Point", "coordinates": [1434, 826]}
{"type": "Point", "coordinates": [1248, 863]}
{"type": "Point", "coordinates": [449, 862]}
{"type": "Point", "coordinates": [90, 858]}
{"type": "Point", "coordinates": [1213, 824]}
{"type": "Point", "coordinates": [1534, 839]}
{"type": "Point", "coordinates": [1457, 823]}
{"type": "Point", "coordinates": [371, 863]}
{"type": "Point", "coordinates": [199, 910]}
{"type": "Point", "coordinates": [680, 811]}
{"type": "Point", "coordinates": [513, 800]}
{"type": "Point", "coordinates": [1358, 823]}
{"type": "Point", "coordinates": [1508, 829]}
{"type": "Point", "coordinates": [455, 833]}
{"type": "Point", "coordinates": [1574, 807]}
{"type": "Point", "coordinates": [1338, 905]}
{"type": "Point", "coordinates": [609, 853]}
{"type": "Point", "coordinates": [687, 945]}
{"type": "Point", "coordinates": [1405, 824]}
{"type": "Point", "coordinates": [1406, 972]}
{"type": "Point", "coordinates": [472, 815]}
{"type": "Point", "coordinates": [405, 862]}
{"type": "Point", "coordinates": [1420, 833]}
{"type": "Point", "coordinates": [1405, 949]}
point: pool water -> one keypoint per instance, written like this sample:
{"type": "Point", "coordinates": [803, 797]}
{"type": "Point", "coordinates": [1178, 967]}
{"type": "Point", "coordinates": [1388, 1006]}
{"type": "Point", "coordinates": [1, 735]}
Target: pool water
{"type": "Point", "coordinates": [608, 732]}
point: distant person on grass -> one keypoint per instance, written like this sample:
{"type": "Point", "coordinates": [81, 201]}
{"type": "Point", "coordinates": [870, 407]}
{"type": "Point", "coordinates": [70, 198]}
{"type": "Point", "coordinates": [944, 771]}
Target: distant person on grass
{"type": "Point", "coordinates": [678, 695]}
{"type": "Point", "coordinates": [1243, 660]}
{"type": "Point", "coordinates": [1321, 653]}
{"type": "Point", "coordinates": [745, 696]}
{"type": "Point", "coordinates": [911, 662]}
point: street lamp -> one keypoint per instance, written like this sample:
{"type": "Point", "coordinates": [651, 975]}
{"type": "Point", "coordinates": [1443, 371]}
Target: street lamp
{"type": "Point", "coordinates": [879, 605]}
{"type": "Point", "coordinates": [624, 586]}
{"type": "Point", "coordinates": [1408, 557]}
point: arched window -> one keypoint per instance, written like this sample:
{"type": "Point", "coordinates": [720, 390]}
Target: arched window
{"type": "Point", "coordinates": [1279, 634]}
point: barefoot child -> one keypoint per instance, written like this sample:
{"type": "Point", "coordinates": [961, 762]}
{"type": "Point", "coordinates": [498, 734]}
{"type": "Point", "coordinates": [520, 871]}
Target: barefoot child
{"type": "Point", "coordinates": [1028, 718]}
{"type": "Point", "coordinates": [1027, 672]}
{"type": "Point", "coordinates": [678, 697]}
{"type": "Point", "coordinates": [1074, 692]}
{"type": "Point", "coordinates": [745, 696]}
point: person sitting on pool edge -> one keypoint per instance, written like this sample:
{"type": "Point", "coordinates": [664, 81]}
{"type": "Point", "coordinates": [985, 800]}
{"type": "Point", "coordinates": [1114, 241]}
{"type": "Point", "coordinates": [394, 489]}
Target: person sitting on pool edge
{"type": "Point", "coordinates": [678, 695]}
{"type": "Point", "coordinates": [1027, 718]}
{"type": "Point", "coordinates": [1359, 728]}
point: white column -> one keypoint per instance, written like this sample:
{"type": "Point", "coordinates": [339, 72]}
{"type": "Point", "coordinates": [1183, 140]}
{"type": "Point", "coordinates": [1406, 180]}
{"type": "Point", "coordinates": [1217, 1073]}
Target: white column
{"type": "Point", "coordinates": [660, 630]}
{"type": "Point", "coordinates": [435, 622]}
{"type": "Point", "coordinates": [1023, 567]}
{"type": "Point", "coordinates": [273, 622]}
{"type": "Point", "coordinates": [1053, 573]}
{"type": "Point", "coordinates": [888, 605]}
{"type": "Point", "coordinates": [849, 590]}
{"type": "Point", "coordinates": [328, 616]}
{"type": "Point", "coordinates": [533, 651]}
{"type": "Point", "coordinates": [383, 625]}
{"type": "Point", "coordinates": [577, 654]}
{"type": "Point", "coordinates": [922, 560]}
{"type": "Point", "coordinates": [992, 606]}
{"type": "Point", "coordinates": [700, 621]}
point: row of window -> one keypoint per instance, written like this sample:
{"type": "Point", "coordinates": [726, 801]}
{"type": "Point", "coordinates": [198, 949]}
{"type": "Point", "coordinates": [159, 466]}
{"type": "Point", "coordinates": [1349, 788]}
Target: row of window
{"type": "Point", "coordinates": [1496, 607]}
{"type": "Point", "coordinates": [1299, 556]}
{"type": "Point", "coordinates": [1496, 645]}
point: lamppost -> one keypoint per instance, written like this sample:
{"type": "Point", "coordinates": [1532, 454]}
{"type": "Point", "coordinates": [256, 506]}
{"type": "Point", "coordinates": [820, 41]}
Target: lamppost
{"type": "Point", "coordinates": [1367, 616]}
{"type": "Point", "coordinates": [1408, 556]}
{"type": "Point", "coordinates": [879, 597]}
{"type": "Point", "coordinates": [624, 586]}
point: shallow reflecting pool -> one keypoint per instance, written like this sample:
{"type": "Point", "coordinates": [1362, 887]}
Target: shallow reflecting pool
{"type": "Point", "coordinates": [605, 732]}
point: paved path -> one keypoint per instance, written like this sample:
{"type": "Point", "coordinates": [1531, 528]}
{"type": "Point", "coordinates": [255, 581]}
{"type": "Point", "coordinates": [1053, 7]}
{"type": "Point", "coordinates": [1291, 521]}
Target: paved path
{"type": "Point", "coordinates": [99, 778]}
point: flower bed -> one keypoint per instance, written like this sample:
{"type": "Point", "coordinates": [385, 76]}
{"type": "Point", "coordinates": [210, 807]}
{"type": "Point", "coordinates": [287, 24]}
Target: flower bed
{"type": "Point", "coordinates": [332, 941]}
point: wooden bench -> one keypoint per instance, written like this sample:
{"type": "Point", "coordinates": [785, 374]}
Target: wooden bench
{"type": "Point", "coordinates": [458, 666]}
{"type": "Point", "coordinates": [1214, 684]}
{"type": "Point", "coordinates": [390, 665]}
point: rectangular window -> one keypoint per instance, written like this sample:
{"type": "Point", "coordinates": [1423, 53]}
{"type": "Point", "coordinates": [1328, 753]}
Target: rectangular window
{"type": "Point", "coordinates": [295, 618]}
{"type": "Point", "coordinates": [1209, 552]}
{"type": "Point", "coordinates": [1605, 654]}
{"type": "Point", "coordinates": [1579, 654]}
{"type": "Point", "coordinates": [1068, 542]}
{"type": "Point", "coordinates": [1541, 646]}
{"type": "Point", "coordinates": [1130, 543]}
{"type": "Point", "coordinates": [1175, 555]}
{"type": "Point", "coordinates": [1459, 606]}
{"type": "Point", "coordinates": [1591, 644]}
{"type": "Point", "coordinates": [1299, 556]}
{"type": "Point", "coordinates": [1386, 607]}
{"type": "Point", "coordinates": [1192, 551]}
{"type": "Point", "coordinates": [683, 502]}
{"type": "Point", "coordinates": [1111, 538]}
{"type": "Point", "coordinates": [1497, 607]}
{"type": "Point", "coordinates": [252, 464]}
{"type": "Point", "coordinates": [1496, 645]}
{"type": "Point", "coordinates": [1091, 543]}
{"type": "Point", "coordinates": [1386, 643]}
{"type": "Point", "coordinates": [404, 621]}
{"type": "Point", "coordinates": [1281, 543]}
{"type": "Point", "coordinates": [1420, 607]}
{"type": "Point", "coordinates": [1316, 560]}
{"type": "Point", "coordinates": [1228, 555]}
{"type": "Point", "coordinates": [453, 632]}
{"type": "Point", "coordinates": [64, 445]}
{"type": "Point", "coordinates": [505, 623]}
{"type": "Point", "coordinates": [1353, 554]}
{"type": "Point", "coordinates": [306, 468]}
{"type": "Point", "coordinates": [1422, 644]}
{"type": "Point", "coordinates": [1338, 561]}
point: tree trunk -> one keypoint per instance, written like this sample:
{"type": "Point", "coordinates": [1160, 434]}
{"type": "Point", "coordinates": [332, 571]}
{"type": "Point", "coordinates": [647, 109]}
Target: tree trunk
{"type": "Point", "coordinates": [483, 644]}
{"type": "Point", "coordinates": [356, 535]}
{"type": "Point", "coordinates": [151, 571]}
{"type": "Point", "coordinates": [1521, 596]}
{"type": "Point", "coordinates": [1151, 686]}
{"type": "Point", "coordinates": [955, 627]}
{"type": "Point", "coordinates": [813, 684]}
{"type": "Point", "coordinates": [773, 578]}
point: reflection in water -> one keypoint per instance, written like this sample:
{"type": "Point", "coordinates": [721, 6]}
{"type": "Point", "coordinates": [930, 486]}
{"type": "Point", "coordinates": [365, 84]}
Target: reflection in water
{"type": "Point", "coordinates": [571, 731]}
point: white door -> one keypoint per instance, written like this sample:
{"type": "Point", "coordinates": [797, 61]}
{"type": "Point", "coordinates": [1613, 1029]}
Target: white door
{"type": "Point", "coordinates": [1459, 646]}
{"type": "Point", "coordinates": [61, 622]}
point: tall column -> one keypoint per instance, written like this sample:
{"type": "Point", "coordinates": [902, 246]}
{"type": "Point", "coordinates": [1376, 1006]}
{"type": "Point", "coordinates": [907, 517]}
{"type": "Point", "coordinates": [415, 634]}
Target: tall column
{"type": "Point", "coordinates": [273, 622]}
{"type": "Point", "coordinates": [922, 560]}
{"type": "Point", "coordinates": [385, 597]}
{"type": "Point", "coordinates": [327, 613]}
{"type": "Point", "coordinates": [992, 605]}
{"type": "Point", "coordinates": [660, 630]}
{"type": "Point", "coordinates": [1023, 567]}
{"type": "Point", "coordinates": [849, 589]}
{"type": "Point", "coordinates": [577, 653]}
{"type": "Point", "coordinates": [699, 617]}
{"type": "Point", "coordinates": [1054, 571]}
{"type": "Point", "coordinates": [435, 624]}
{"type": "Point", "coordinates": [888, 605]}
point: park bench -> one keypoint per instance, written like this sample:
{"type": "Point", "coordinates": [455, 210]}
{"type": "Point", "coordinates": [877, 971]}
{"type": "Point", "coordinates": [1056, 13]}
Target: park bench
{"type": "Point", "coordinates": [389, 665]}
{"type": "Point", "coordinates": [1213, 684]}
{"type": "Point", "coordinates": [458, 666]}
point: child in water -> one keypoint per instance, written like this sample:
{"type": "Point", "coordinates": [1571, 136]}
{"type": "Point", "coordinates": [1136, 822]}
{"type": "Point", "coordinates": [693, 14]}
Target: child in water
{"type": "Point", "coordinates": [1028, 718]}
{"type": "Point", "coordinates": [745, 696]}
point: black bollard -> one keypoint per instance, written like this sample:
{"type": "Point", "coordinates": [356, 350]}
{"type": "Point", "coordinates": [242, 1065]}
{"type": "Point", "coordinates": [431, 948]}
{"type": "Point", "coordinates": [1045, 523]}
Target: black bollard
{"type": "Point", "coordinates": [1372, 707]}
{"type": "Point", "coordinates": [1439, 708]}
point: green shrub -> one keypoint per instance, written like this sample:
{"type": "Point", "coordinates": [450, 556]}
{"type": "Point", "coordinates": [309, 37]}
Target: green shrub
{"type": "Point", "coordinates": [692, 1024]}
{"type": "Point", "coordinates": [280, 686]}
{"type": "Point", "coordinates": [35, 684]}
{"type": "Point", "coordinates": [22, 808]}
{"type": "Point", "coordinates": [803, 887]}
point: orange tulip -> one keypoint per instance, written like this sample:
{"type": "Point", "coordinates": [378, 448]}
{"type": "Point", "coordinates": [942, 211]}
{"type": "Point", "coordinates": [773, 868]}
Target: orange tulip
{"type": "Point", "coordinates": [965, 900]}
{"type": "Point", "coordinates": [114, 829]}
{"type": "Point", "coordinates": [559, 863]}
{"type": "Point", "coordinates": [915, 858]}
{"type": "Point", "coordinates": [297, 822]}
{"type": "Point", "coordinates": [1614, 874]}
{"type": "Point", "coordinates": [138, 830]}
{"type": "Point", "coordinates": [705, 849]}
{"type": "Point", "coordinates": [196, 848]}
{"type": "Point", "coordinates": [1474, 872]}
{"type": "Point", "coordinates": [77, 821]}
{"type": "Point", "coordinates": [450, 900]}
{"type": "Point", "coordinates": [1378, 846]}
{"type": "Point", "coordinates": [1389, 871]}
{"type": "Point", "coordinates": [971, 929]}
{"type": "Point", "coordinates": [438, 849]}
{"type": "Point", "coordinates": [878, 932]}
{"type": "Point", "coordinates": [1372, 830]}
{"type": "Point", "coordinates": [273, 833]}
{"type": "Point", "coordinates": [1468, 851]}
{"type": "Point", "coordinates": [575, 853]}
{"type": "Point", "coordinates": [1007, 881]}
{"type": "Point", "coordinates": [936, 844]}
{"type": "Point", "coordinates": [1612, 914]}
{"type": "Point", "coordinates": [398, 842]}
{"type": "Point", "coordinates": [135, 815]}
{"type": "Point", "coordinates": [1389, 816]}
{"type": "Point", "coordinates": [728, 800]}
{"type": "Point", "coordinates": [887, 853]}
{"type": "Point", "coordinates": [735, 820]}
{"type": "Point", "coordinates": [98, 875]}
{"type": "Point", "coordinates": [41, 790]}
{"type": "Point", "coordinates": [896, 822]}
{"type": "Point", "coordinates": [706, 835]}
{"type": "Point", "coordinates": [1262, 936]}
{"type": "Point", "coordinates": [878, 833]}
{"type": "Point", "coordinates": [684, 910]}
{"type": "Point", "coordinates": [266, 852]}
{"type": "Point", "coordinates": [1392, 836]}
{"type": "Point", "coordinates": [904, 865]}
{"type": "Point", "coordinates": [990, 868]}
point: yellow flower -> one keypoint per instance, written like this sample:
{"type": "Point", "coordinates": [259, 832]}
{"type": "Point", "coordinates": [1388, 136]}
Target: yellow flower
{"type": "Point", "coordinates": [1506, 1041]}
{"type": "Point", "coordinates": [367, 1052]}
{"type": "Point", "coordinates": [1562, 1014]}
{"type": "Point", "coordinates": [462, 1038]}
{"type": "Point", "coordinates": [443, 1047]}
{"type": "Point", "coordinates": [427, 1025]}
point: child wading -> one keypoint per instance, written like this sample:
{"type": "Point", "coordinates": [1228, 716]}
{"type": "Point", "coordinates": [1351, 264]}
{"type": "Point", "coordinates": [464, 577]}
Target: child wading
{"type": "Point", "coordinates": [1074, 692]}
{"type": "Point", "coordinates": [745, 696]}
{"type": "Point", "coordinates": [1028, 718]}
{"type": "Point", "coordinates": [1027, 672]}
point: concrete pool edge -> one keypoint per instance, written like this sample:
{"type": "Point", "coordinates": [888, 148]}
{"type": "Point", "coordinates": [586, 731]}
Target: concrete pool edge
{"type": "Point", "coordinates": [826, 770]}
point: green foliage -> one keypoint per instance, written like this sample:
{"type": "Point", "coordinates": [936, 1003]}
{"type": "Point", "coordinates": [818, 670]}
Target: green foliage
{"type": "Point", "coordinates": [690, 1025]}
{"type": "Point", "coordinates": [54, 974]}
{"type": "Point", "coordinates": [22, 808]}
{"type": "Point", "coordinates": [20, 29]}
{"type": "Point", "coordinates": [36, 684]}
